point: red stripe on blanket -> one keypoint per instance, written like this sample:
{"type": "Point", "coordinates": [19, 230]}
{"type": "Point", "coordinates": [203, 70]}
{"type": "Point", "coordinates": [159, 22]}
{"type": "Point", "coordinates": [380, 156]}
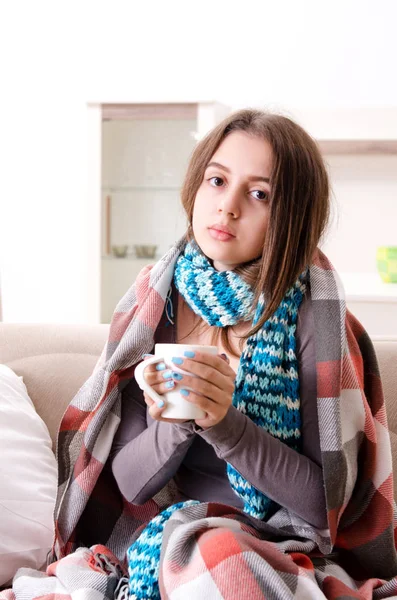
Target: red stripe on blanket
{"type": "Point", "coordinates": [387, 489]}
{"type": "Point", "coordinates": [353, 374]}
{"type": "Point", "coordinates": [143, 278]}
{"type": "Point", "coordinates": [224, 510]}
{"type": "Point", "coordinates": [223, 552]}
{"type": "Point", "coordinates": [354, 324]}
{"type": "Point", "coordinates": [150, 314]}
{"type": "Point", "coordinates": [120, 322]}
{"type": "Point", "coordinates": [302, 561]}
{"type": "Point", "coordinates": [355, 354]}
{"type": "Point", "coordinates": [329, 373]}
{"type": "Point", "coordinates": [86, 471]}
{"type": "Point", "coordinates": [376, 518]}
{"type": "Point", "coordinates": [369, 424]}
{"type": "Point", "coordinates": [216, 545]}
{"type": "Point", "coordinates": [227, 555]}
{"type": "Point", "coordinates": [75, 419]}
{"type": "Point", "coordinates": [141, 512]}
{"type": "Point", "coordinates": [328, 379]}
{"type": "Point", "coordinates": [235, 580]}
{"type": "Point", "coordinates": [127, 373]}
{"type": "Point", "coordinates": [148, 299]}
{"type": "Point", "coordinates": [333, 518]}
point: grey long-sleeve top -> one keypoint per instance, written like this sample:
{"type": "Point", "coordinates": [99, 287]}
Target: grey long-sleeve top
{"type": "Point", "coordinates": [146, 453]}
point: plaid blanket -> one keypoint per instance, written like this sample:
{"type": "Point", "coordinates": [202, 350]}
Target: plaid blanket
{"type": "Point", "coordinates": [212, 549]}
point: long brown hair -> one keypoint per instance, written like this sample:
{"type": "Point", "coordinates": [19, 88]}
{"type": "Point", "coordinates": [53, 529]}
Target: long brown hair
{"type": "Point", "coordinates": [299, 204]}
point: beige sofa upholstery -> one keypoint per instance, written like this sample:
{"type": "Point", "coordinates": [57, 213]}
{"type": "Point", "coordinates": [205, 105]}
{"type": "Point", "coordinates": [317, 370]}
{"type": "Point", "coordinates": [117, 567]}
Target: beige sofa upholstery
{"type": "Point", "coordinates": [55, 360]}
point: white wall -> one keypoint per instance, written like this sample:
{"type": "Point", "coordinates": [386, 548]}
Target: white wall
{"type": "Point", "coordinates": [364, 210]}
{"type": "Point", "coordinates": [288, 55]}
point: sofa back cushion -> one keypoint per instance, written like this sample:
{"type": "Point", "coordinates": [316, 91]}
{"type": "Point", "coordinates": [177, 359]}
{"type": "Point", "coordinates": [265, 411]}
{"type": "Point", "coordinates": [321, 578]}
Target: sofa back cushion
{"type": "Point", "coordinates": [54, 360]}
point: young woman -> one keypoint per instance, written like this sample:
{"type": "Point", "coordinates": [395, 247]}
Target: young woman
{"type": "Point", "coordinates": [284, 489]}
{"type": "Point", "coordinates": [257, 200]}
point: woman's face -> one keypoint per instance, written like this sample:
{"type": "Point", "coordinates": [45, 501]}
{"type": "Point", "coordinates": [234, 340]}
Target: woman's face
{"type": "Point", "coordinates": [234, 195]}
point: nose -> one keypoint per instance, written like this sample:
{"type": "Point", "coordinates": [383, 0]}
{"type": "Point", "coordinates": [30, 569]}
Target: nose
{"type": "Point", "coordinates": [229, 203]}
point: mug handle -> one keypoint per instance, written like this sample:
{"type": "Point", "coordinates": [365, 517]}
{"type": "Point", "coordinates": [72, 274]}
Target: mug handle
{"type": "Point", "coordinates": [140, 379]}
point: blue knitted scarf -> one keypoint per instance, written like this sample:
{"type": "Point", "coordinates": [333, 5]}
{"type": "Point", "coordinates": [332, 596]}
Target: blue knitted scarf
{"type": "Point", "coordinates": [266, 387]}
{"type": "Point", "coordinates": [267, 384]}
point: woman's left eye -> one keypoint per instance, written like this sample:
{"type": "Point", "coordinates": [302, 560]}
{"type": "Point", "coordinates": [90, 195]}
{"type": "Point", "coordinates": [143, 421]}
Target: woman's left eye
{"type": "Point", "coordinates": [261, 195]}
{"type": "Point", "coordinates": [216, 181]}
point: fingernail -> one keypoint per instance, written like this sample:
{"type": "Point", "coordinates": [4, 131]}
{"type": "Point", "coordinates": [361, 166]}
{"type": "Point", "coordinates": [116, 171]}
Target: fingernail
{"type": "Point", "coordinates": [177, 360]}
{"type": "Point", "coordinates": [167, 374]}
{"type": "Point", "coordinates": [189, 353]}
{"type": "Point", "coordinates": [177, 376]}
{"type": "Point", "coordinates": [160, 403]}
{"type": "Point", "coordinates": [160, 367]}
{"type": "Point", "coordinates": [170, 384]}
{"type": "Point", "coordinates": [146, 355]}
{"type": "Point", "coordinates": [185, 392]}
{"type": "Point", "coordinates": [225, 356]}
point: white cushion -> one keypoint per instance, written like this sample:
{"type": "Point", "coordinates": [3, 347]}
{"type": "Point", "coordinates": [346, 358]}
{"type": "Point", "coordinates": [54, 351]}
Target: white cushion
{"type": "Point", "coordinates": [28, 480]}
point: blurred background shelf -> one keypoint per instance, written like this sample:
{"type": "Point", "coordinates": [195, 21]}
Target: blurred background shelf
{"type": "Point", "coordinates": [131, 257]}
{"type": "Point", "coordinates": [368, 287]}
{"type": "Point", "coordinates": [145, 150]}
{"type": "Point", "coordinates": [373, 302]}
{"type": "Point", "coordinates": [139, 188]}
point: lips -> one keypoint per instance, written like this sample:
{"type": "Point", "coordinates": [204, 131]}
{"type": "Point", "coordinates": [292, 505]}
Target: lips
{"type": "Point", "coordinates": [221, 233]}
{"type": "Point", "coordinates": [222, 229]}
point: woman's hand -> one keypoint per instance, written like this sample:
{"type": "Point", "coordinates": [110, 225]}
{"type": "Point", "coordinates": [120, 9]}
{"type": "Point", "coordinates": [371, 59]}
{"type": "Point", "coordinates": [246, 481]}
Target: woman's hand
{"type": "Point", "coordinates": [213, 392]}
{"type": "Point", "coordinates": [162, 382]}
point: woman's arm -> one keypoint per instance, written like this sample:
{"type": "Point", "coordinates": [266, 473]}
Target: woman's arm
{"type": "Point", "coordinates": [145, 458]}
{"type": "Point", "coordinates": [289, 478]}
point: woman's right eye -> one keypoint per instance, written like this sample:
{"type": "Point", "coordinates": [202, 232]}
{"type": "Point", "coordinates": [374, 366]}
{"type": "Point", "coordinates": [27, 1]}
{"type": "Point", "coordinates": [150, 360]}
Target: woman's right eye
{"type": "Point", "coordinates": [216, 181]}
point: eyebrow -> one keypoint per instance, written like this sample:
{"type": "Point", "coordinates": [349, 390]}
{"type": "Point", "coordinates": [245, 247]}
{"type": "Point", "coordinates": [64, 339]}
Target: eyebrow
{"type": "Point", "coordinates": [251, 178]}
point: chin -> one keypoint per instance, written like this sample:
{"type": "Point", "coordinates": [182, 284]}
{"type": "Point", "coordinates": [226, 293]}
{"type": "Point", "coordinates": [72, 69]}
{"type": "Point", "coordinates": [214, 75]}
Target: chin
{"type": "Point", "coordinates": [221, 252]}
{"type": "Point", "coordinates": [221, 256]}
{"type": "Point", "coordinates": [211, 248]}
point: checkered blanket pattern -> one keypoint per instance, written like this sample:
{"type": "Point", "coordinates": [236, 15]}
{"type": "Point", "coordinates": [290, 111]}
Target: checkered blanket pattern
{"type": "Point", "coordinates": [214, 551]}
{"type": "Point", "coordinates": [89, 573]}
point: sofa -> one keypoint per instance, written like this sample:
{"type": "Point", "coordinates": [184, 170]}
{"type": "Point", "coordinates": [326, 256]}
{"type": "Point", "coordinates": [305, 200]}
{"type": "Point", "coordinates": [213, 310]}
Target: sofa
{"type": "Point", "coordinates": [55, 360]}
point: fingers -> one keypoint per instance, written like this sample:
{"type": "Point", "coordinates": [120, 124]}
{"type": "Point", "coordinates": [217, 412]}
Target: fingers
{"type": "Point", "coordinates": [154, 409]}
{"type": "Point", "coordinates": [159, 384]}
{"type": "Point", "coordinates": [206, 404]}
{"type": "Point", "coordinates": [225, 357]}
{"type": "Point", "coordinates": [207, 380]}
{"type": "Point", "coordinates": [203, 387]}
{"type": "Point", "coordinates": [200, 362]}
{"type": "Point", "coordinates": [213, 373]}
{"type": "Point", "coordinates": [158, 377]}
{"type": "Point", "coordinates": [214, 412]}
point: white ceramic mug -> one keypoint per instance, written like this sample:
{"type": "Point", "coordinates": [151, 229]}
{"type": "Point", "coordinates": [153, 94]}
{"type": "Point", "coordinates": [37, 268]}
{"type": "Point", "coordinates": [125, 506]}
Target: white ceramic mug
{"type": "Point", "coordinates": [177, 407]}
